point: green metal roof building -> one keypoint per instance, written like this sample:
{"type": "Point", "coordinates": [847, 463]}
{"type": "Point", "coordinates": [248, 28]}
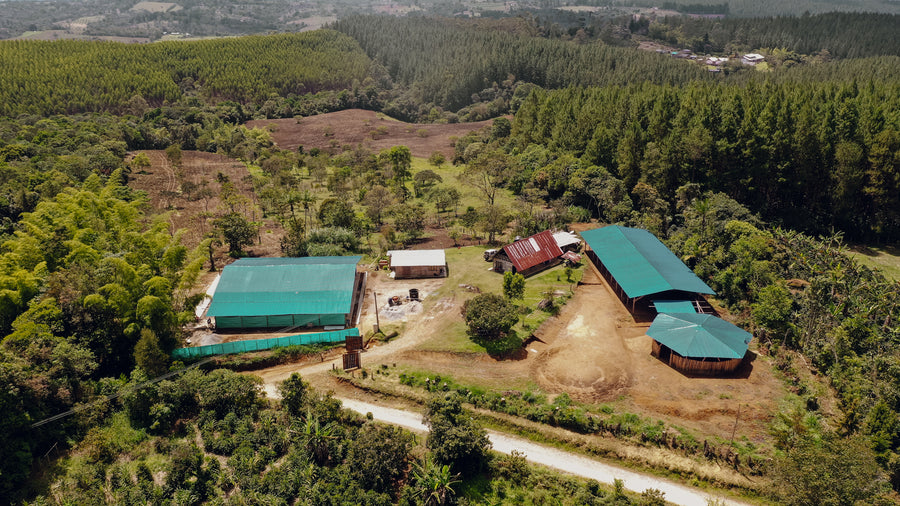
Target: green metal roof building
{"type": "Point", "coordinates": [285, 292]}
{"type": "Point", "coordinates": [637, 264]}
{"type": "Point", "coordinates": [698, 343]}
{"type": "Point", "coordinates": [639, 267]}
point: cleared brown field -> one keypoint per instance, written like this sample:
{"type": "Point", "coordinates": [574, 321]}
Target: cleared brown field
{"type": "Point", "coordinates": [156, 7]}
{"type": "Point", "coordinates": [162, 184]}
{"type": "Point", "coordinates": [356, 126]}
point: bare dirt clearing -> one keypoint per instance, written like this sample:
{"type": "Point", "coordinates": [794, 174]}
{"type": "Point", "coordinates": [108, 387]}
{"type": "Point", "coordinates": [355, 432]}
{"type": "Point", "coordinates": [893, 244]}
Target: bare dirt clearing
{"type": "Point", "coordinates": [357, 126]}
{"type": "Point", "coordinates": [163, 184]}
{"type": "Point", "coordinates": [585, 355]}
{"type": "Point", "coordinates": [597, 353]}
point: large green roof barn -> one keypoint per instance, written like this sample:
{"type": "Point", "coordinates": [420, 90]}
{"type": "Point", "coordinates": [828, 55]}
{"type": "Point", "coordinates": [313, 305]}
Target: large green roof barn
{"type": "Point", "coordinates": [286, 292]}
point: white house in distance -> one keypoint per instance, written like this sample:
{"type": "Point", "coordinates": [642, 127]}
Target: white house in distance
{"type": "Point", "coordinates": [424, 263]}
{"type": "Point", "coordinates": [752, 58]}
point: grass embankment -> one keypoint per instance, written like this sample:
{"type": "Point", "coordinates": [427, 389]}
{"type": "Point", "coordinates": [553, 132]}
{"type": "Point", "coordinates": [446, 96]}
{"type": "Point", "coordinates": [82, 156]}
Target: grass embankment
{"type": "Point", "coordinates": [269, 358]}
{"type": "Point", "coordinates": [886, 259]}
{"type": "Point", "coordinates": [595, 430]}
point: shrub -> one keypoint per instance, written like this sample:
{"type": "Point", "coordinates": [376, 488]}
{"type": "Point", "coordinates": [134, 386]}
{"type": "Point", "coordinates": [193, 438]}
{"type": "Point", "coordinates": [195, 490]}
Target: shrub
{"type": "Point", "coordinates": [489, 316]}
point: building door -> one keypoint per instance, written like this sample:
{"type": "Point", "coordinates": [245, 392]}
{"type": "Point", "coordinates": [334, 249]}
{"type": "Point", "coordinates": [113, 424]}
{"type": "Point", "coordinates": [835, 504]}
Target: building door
{"type": "Point", "coordinates": [664, 353]}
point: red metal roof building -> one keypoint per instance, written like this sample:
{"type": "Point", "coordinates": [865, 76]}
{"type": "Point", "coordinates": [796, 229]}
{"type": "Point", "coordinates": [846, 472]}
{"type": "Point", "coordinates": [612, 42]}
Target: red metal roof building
{"type": "Point", "coordinates": [530, 255]}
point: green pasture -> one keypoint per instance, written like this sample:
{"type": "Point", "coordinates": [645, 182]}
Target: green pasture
{"type": "Point", "coordinates": [469, 269]}
{"type": "Point", "coordinates": [884, 258]}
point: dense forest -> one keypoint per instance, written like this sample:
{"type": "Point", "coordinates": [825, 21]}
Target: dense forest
{"type": "Point", "coordinates": [812, 157]}
{"type": "Point", "coordinates": [68, 77]}
{"type": "Point", "coordinates": [842, 35]}
{"type": "Point", "coordinates": [762, 8]}
{"type": "Point", "coordinates": [767, 141]}
{"type": "Point", "coordinates": [446, 65]}
{"type": "Point", "coordinates": [93, 290]}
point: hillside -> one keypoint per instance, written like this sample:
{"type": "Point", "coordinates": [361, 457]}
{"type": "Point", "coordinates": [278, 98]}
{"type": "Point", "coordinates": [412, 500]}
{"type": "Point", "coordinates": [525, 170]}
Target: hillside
{"type": "Point", "coordinates": [128, 170]}
{"type": "Point", "coordinates": [372, 130]}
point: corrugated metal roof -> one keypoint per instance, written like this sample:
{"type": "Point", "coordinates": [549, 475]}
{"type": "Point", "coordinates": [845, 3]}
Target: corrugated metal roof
{"type": "Point", "coordinates": [640, 263]}
{"type": "Point", "coordinates": [699, 335]}
{"type": "Point", "coordinates": [528, 252]}
{"type": "Point", "coordinates": [256, 262]}
{"type": "Point", "coordinates": [674, 306]}
{"type": "Point", "coordinates": [417, 258]}
{"type": "Point", "coordinates": [280, 286]}
{"type": "Point", "coordinates": [564, 239]}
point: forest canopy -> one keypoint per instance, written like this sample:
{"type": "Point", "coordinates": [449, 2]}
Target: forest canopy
{"type": "Point", "coordinates": [65, 77]}
{"type": "Point", "coordinates": [811, 156]}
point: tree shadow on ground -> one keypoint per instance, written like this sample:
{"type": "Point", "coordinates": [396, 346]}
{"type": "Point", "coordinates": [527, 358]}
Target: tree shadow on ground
{"type": "Point", "coordinates": [877, 250]}
{"type": "Point", "coordinates": [506, 347]}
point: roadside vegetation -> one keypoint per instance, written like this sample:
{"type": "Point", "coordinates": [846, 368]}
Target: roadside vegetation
{"type": "Point", "coordinates": [200, 436]}
{"type": "Point", "coordinates": [559, 410]}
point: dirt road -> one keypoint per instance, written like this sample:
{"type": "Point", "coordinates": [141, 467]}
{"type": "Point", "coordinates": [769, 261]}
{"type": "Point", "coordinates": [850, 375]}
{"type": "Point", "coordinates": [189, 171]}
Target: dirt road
{"type": "Point", "coordinates": [552, 457]}
{"type": "Point", "coordinates": [419, 329]}
{"type": "Point", "coordinates": [587, 355]}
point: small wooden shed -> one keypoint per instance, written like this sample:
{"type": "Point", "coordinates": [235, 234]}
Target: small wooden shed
{"type": "Point", "coordinates": [529, 256]}
{"type": "Point", "coordinates": [425, 263]}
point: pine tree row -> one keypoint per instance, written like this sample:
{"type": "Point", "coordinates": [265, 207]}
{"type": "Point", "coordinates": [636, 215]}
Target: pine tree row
{"type": "Point", "coordinates": [65, 77]}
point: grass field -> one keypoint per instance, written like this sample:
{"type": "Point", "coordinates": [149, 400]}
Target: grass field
{"type": "Point", "coordinates": [468, 268]}
{"type": "Point", "coordinates": [886, 259]}
{"type": "Point", "coordinates": [451, 177]}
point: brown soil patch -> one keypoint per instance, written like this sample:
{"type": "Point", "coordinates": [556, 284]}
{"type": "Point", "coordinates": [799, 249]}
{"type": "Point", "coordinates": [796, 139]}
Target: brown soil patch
{"type": "Point", "coordinates": [585, 357]}
{"type": "Point", "coordinates": [163, 184]}
{"type": "Point", "coordinates": [597, 353]}
{"type": "Point", "coordinates": [376, 131]}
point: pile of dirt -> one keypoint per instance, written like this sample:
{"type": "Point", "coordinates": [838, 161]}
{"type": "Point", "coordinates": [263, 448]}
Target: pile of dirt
{"type": "Point", "coordinates": [585, 356]}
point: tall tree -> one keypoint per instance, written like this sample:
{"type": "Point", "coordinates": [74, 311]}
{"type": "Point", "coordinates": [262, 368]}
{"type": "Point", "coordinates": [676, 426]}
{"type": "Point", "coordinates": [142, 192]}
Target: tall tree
{"type": "Point", "coordinates": [149, 356]}
{"type": "Point", "coordinates": [236, 230]}
{"type": "Point", "coordinates": [453, 438]}
{"type": "Point", "coordinates": [377, 200]}
{"type": "Point", "coordinates": [513, 286]}
{"type": "Point", "coordinates": [489, 172]}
